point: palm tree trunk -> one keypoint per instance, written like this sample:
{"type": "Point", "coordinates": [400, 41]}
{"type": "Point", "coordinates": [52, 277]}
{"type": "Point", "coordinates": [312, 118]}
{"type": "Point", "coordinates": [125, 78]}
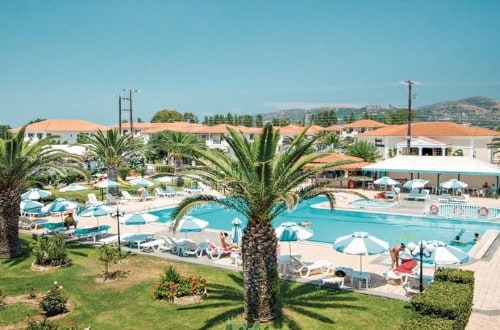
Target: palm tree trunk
{"type": "Point", "coordinates": [260, 272]}
{"type": "Point", "coordinates": [9, 224]}
{"type": "Point", "coordinates": [112, 175]}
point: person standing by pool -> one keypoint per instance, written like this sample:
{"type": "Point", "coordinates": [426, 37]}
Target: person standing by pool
{"type": "Point", "coordinates": [395, 254]}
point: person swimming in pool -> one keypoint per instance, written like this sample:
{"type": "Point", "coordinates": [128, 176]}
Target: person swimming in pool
{"type": "Point", "coordinates": [305, 223]}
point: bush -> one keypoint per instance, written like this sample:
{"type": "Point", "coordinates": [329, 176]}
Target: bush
{"type": "Point", "coordinates": [123, 172]}
{"type": "Point", "coordinates": [41, 325]}
{"type": "Point", "coordinates": [50, 251]}
{"type": "Point", "coordinates": [419, 322]}
{"type": "Point", "coordinates": [172, 285]}
{"type": "Point", "coordinates": [165, 169]}
{"type": "Point", "coordinates": [454, 275]}
{"type": "Point", "coordinates": [54, 302]}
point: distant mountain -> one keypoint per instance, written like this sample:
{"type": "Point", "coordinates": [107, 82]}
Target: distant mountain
{"type": "Point", "coordinates": [477, 111]}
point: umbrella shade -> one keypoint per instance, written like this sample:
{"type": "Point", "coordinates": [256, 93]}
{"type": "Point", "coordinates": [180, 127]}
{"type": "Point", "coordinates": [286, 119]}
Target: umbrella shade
{"type": "Point", "coordinates": [36, 194]}
{"type": "Point", "coordinates": [360, 243]}
{"type": "Point", "coordinates": [191, 224]}
{"type": "Point", "coordinates": [164, 179]}
{"type": "Point", "coordinates": [95, 211]}
{"type": "Point", "coordinates": [28, 205]}
{"type": "Point", "coordinates": [236, 231]}
{"type": "Point", "coordinates": [106, 183]}
{"type": "Point", "coordinates": [445, 254]}
{"type": "Point", "coordinates": [386, 181]}
{"type": "Point", "coordinates": [138, 219]}
{"type": "Point", "coordinates": [415, 184]}
{"type": "Point", "coordinates": [73, 187]}
{"type": "Point", "coordinates": [141, 182]}
{"type": "Point", "coordinates": [454, 184]}
{"type": "Point", "coordinates": [60, 205]}
{"type": "Point", "coordinates": [291, 232]}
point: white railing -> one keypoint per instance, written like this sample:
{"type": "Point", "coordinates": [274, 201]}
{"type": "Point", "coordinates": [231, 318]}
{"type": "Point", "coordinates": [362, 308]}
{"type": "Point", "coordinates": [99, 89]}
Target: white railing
{"type": "Point", "coordinates": [465, 211]}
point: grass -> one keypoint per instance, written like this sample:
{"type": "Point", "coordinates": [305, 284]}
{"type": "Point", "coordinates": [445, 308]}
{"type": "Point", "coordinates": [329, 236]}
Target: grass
{"type": "Point", "coordinates": [127, 302]}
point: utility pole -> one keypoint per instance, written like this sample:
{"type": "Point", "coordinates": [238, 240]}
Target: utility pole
{"type": "Point", "coordinates": [120, 109]}
{"type": "Point", "coordinates": [410, 96]}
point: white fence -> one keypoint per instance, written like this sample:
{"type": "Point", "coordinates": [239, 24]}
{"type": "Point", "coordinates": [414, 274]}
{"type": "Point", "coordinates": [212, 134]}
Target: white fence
{"type": "Point", "coordinates": [465, 211]}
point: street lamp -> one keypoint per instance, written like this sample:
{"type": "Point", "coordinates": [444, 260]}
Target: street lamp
{"type": "Point", "coordinates": [117, 214]}
{"type": "Point", "coordinates": [423, 250]}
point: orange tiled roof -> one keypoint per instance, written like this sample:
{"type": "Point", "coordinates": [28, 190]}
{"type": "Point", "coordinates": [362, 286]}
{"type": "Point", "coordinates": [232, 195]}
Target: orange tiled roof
{"type": "Point", "coordinates": [333, 128]}
{"type": "Point", "coordinates": [333, 157]}
{"type": "Point", "coordinates": [432, 129]}
{"type": "Point", "coordinates": [363, 123]}
{"type": "Point", "coordinates": [63, 125]}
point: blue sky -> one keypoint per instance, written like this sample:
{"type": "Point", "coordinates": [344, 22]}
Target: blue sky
{"type": "Point", "coordinates": [71, 59]}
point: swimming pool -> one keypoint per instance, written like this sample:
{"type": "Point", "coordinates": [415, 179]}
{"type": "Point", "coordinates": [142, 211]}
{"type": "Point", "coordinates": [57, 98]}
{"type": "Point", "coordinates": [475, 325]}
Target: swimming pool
{"type": "Point", "coordinates": [371, 203]}
{"type": "Point", "coordinates": [328, 225]}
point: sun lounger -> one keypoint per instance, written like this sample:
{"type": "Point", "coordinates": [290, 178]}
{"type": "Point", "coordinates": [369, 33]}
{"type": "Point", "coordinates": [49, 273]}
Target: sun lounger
{"type": "Point", "coordinates": [444, 198]}
{"type": "Point", "coordinates": [215, 252]}
{"type": "Point", "coordinates": [91, 232]}
{"type": "Point", "coordinates": [158, 244]}
{"type": "Point", "coordinates": [193, 190]}
{"type": "Point", "coordinates": [305, 269]}
{"type": "Point", "coordinates": [464, 198]}
{"type": "Point", "coordinates": [162, 193]}
{"type": "Point", "coordinates": [31, 224]}
{"type": "Point", "coordinates": [127, 197]}
{"type": "Point", "coordinates": [92, 200]}
{"type": "Point", "coordinates": [114, 239]}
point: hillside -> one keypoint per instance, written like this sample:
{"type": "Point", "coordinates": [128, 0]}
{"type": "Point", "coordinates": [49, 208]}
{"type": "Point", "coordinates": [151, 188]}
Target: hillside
{"type": "Point", "coordinates": [477, 111]}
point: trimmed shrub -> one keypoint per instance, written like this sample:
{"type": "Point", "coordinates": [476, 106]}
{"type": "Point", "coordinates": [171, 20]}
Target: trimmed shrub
{"type": "Point", "coordinates": [454, 275]}
{"type": "Point", "coordinates": [420, 322]}
{"type": "Point", "coordinates": [445, 300]}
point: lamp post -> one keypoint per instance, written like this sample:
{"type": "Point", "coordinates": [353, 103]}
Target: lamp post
{"type": "Point", "coordinates": [117, 214]}
{"type": "Point", "coordinates": [423, 250]}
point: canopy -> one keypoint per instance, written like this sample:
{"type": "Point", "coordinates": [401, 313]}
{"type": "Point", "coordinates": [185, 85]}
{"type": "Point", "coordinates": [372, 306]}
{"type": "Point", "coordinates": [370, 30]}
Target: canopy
{"type": "Point", "coordinates": [435, 164]}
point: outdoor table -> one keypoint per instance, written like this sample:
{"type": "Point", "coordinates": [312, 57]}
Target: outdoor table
{"type": "Point", "coordinates": [136, 239]}
{"type": "Point", "coordinates": [361, 276]}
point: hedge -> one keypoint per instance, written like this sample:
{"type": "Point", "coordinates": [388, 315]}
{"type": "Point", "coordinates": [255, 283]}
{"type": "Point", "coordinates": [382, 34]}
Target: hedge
{"type": "Point", "coordinates": [446, 304]}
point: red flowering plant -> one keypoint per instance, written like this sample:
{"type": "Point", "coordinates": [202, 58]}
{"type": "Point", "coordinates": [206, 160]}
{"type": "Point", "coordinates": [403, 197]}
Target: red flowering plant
{"type": "Point", "coordinates": [173, 285]}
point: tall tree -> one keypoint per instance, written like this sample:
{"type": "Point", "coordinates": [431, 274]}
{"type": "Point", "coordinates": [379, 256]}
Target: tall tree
{"type": "Point", "coordinates": [176, 146]}
{"type": "Point", "coordinates": [110, 147]}
{"type": "Point", "coordinates": [166, 116]}
{"type": "Point", "coordinates": [19, 160]}
{"type": "Point", "coordinates": [260, 183]}
{"type": "Point", "coordinates": [365, 150]}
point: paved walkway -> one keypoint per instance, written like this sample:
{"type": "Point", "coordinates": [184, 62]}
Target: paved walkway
{"type": "Point", "coordinates": [486, 313]}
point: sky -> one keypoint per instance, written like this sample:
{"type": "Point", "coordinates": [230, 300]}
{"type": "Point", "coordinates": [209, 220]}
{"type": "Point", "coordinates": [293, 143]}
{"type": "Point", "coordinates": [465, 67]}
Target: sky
{"type": "Point", "coordinates": [72, 59]}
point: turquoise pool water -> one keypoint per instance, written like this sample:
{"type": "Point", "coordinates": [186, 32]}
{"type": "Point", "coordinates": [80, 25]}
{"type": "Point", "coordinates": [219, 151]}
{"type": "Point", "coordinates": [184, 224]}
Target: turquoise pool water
{"type": "Point", "coordinates": [328, 225]}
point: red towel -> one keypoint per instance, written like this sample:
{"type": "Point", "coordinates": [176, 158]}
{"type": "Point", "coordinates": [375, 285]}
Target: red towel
{"type": "Point", "coordinates": [407, 266]}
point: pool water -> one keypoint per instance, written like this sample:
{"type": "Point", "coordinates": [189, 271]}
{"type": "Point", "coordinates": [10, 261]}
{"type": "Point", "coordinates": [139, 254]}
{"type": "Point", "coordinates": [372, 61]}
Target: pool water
{"type": "Point", "coordinates": [330, 224]}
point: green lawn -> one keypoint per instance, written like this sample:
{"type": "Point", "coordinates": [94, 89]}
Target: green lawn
{"type": "Point", "coordinates": [127, 303]}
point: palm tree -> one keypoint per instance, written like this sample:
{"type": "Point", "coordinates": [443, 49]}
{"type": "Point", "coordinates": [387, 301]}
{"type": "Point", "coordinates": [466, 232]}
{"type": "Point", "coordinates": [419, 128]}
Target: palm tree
{"type": "Point", "coordinates": [365, 150]}
{"type": "Point", "coordinates": [176, 145]}
{"type": "Point", "coordinates": [328, 140]}
{"type": "Point", "coordinates": [261, 184]}
{"type": "Point", "coordinates": [111, 148]}
{"type": "Point", "coordinates": [19, 160]}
